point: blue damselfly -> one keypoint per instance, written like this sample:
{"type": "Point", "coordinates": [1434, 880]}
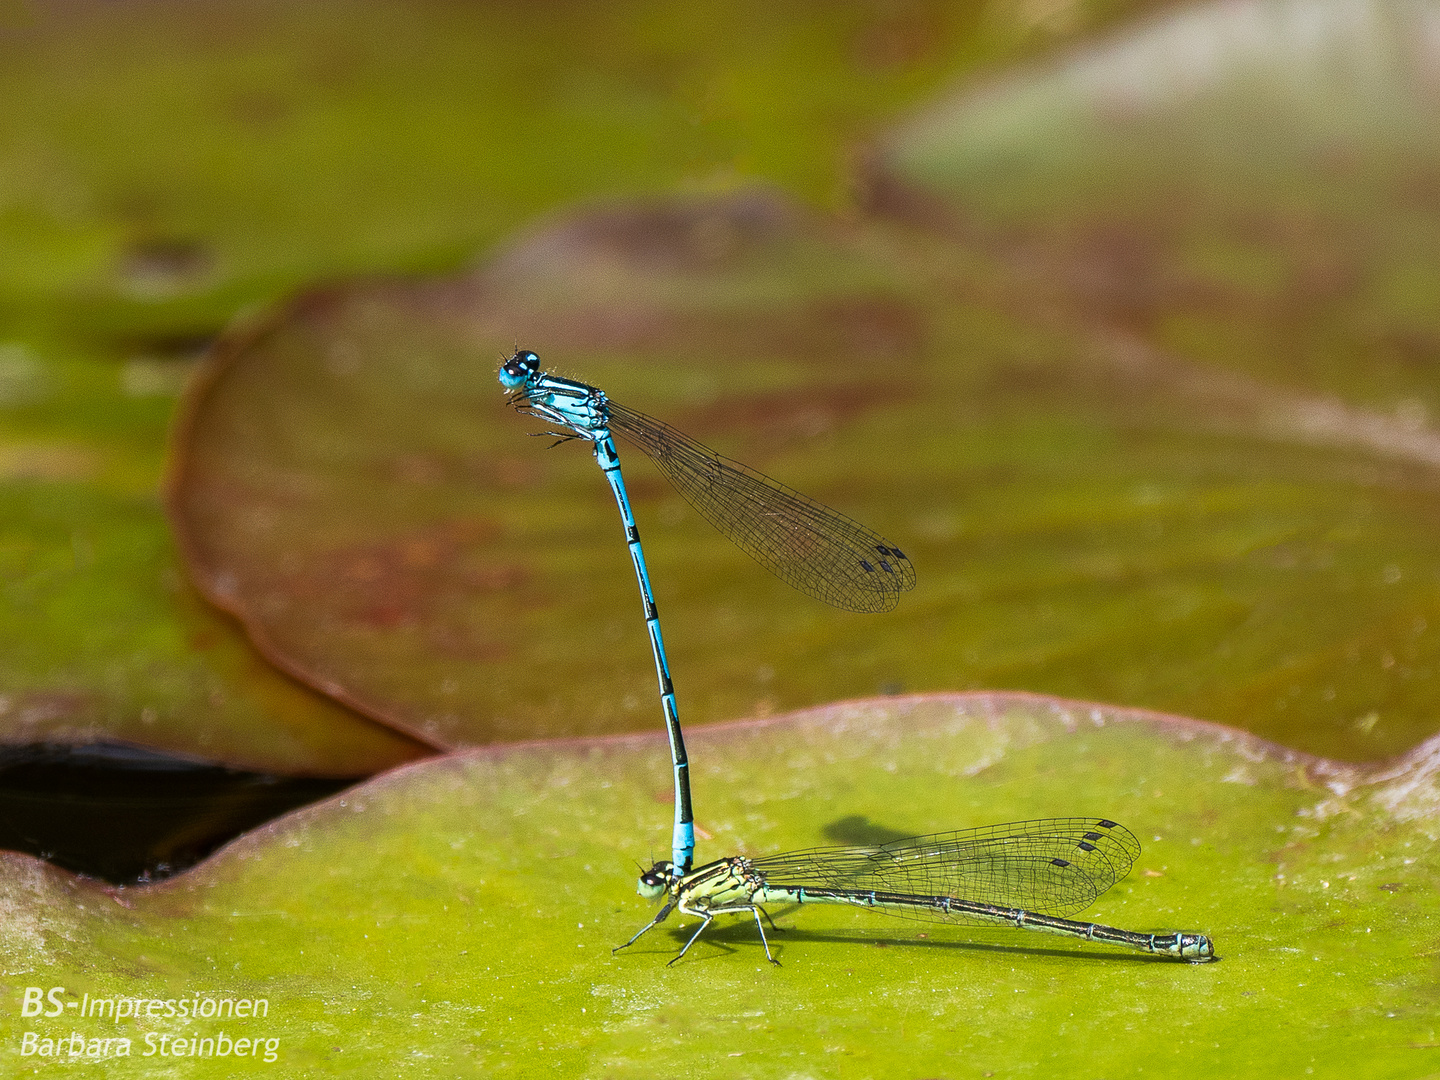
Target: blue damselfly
{"type": "Point", "coordinates": [801, 541]}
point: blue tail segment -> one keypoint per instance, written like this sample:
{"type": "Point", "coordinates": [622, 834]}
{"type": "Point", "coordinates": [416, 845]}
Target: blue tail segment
{"type": "Point", "coordinates": [683, 840]}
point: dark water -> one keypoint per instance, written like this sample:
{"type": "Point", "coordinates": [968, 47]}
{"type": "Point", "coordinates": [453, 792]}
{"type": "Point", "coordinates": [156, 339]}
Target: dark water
{"type": "Point", "coordinates": [128, 815]}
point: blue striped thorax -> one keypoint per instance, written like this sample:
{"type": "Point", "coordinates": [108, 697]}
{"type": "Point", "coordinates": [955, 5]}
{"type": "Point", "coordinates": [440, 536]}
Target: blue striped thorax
{"type": "Point", "coordinates": [578, 406]}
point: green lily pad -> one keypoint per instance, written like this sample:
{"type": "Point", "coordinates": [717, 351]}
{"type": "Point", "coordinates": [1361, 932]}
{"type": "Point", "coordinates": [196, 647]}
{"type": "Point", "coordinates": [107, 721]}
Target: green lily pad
{"type": "Point", "coordinates": [483, 893]}
{"type": "Point", "coordinates": [351, 485]}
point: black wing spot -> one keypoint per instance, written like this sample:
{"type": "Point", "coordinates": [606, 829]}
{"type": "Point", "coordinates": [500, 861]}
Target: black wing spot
{"type": "Point", "coordinates": [886, 567]}
{"type": "Point", "coordinates": [1085, 847]}
{"type": "Point", "coordinates": [868, 568]}
{"type": "Point", "coordinates": [1092, 836]}
{"type": "Point", "coordinates": [897, 553]}
{"type": "Point", "coordinates": [1058, 862]}
{"type": "Point", "coordinates": [1105, 824]}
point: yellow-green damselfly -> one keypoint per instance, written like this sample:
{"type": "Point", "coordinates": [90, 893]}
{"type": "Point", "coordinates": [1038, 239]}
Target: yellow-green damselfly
{"type": "Point", "coordinates": [1029, 875]}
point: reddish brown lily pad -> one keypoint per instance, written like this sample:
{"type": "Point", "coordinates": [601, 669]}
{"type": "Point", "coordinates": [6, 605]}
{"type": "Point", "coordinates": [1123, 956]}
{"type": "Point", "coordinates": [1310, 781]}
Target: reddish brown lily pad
{"type": "Point", "coordinates": [388, 534]}
{"type": "Point", "coordinates": [350, 484]}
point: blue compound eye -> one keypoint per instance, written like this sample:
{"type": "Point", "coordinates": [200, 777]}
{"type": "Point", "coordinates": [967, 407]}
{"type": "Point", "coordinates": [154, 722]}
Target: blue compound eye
{"type": "Point", "coordinates": [519, 368]}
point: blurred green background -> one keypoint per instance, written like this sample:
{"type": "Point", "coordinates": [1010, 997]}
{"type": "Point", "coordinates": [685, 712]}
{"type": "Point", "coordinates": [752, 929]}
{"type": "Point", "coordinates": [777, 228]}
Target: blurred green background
{"type": "Point", "coordinates": [1121, 317]}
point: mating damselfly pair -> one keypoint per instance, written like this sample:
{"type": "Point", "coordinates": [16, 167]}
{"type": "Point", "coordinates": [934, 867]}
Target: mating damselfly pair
{"type": "Point", "coordinates": [1029, 875]}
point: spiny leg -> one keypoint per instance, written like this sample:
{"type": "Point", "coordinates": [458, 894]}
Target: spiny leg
{"type": "Point", "coordinates": [664, 911]}
{"type": "Point", "coordinates": [559, 436]}
{"type": "Point", "coordinates": [706, 917]}
{"type": "Point", "coordinates": [754, 910]}
{"type": "Point", "coordinates": [757, 912]}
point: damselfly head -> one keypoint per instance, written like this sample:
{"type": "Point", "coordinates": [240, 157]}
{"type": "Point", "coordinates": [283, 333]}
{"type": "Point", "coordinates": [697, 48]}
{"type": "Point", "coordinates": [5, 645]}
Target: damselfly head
{"type": "Point", "coordinates": [519, 369]}
{"type": "Point", "coordinates": [656, 880]}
